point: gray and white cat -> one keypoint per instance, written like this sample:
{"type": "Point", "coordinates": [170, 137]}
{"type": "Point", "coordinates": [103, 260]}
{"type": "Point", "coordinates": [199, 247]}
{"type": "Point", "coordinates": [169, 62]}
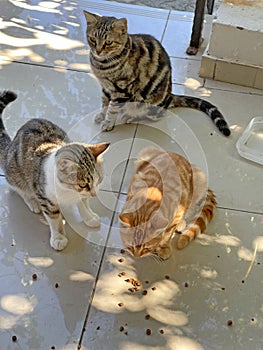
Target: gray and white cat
{"type": "Point", "coordinates": [135, 68]}
{"type": "Point", "coordinates": [46, 169]}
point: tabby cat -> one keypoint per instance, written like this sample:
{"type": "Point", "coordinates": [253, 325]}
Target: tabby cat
{"type": "Point", "coordinates": [135, 68]}
{"type": "Point", "coordinates": [168, 204]}
{"type": "Point", "coordinates": [44, 168]}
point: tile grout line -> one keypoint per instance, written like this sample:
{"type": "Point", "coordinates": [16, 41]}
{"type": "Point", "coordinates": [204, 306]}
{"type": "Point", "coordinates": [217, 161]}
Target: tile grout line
{"type": "Point", "coordinates": [241, 210]}
{"type": "Point", "coordinates": [105, 247]}
{"type": "Point", "coordinates": [165, 26]}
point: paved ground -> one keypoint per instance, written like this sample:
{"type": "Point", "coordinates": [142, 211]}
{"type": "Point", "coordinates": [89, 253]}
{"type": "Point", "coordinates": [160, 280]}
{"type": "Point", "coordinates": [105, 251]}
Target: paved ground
{"type": "Point", "coordinates": [179, 5]}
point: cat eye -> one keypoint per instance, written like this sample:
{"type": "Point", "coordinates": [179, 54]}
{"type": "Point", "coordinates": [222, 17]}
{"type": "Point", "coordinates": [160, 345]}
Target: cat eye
{"type": "Point", "coordinates": [87, 186]}
{"type": "Point", "coordinates": [92, 39]}
{"type": "Point", "coordinates": [108, 42]}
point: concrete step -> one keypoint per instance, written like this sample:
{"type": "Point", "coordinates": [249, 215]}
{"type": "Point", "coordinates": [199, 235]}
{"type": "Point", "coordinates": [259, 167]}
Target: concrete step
{"type": "Point", "coordinates": [235, 50]}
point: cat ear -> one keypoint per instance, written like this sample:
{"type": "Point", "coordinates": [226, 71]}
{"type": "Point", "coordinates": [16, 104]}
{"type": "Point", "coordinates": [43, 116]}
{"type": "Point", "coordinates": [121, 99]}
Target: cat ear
{"type": "Point", "coordinates": [120, 26]}
{"type": "Point", "coordinates": [126, 219]}
{"type": "Point", "coordinates": [158, 222]}
{"type": "Point", "coordinates": [98, 148]}
{"type": "Point", "coordinates": [91, 18]}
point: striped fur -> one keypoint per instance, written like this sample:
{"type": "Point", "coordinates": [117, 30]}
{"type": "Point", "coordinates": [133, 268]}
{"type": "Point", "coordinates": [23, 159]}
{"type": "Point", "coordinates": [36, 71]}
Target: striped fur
{"type": "Point", "coordinates": [167, 195]}
{"type": "Point", "coordinates": [46, 169]}
{"type": "Point", "coordinates": [135, 68]}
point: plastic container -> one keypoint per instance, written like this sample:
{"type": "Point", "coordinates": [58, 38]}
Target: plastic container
{"type": "Point", "coordinates": [250, 144]}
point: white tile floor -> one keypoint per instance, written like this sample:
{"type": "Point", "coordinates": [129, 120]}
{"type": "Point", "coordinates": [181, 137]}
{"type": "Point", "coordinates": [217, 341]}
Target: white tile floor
{"type": "Point", "coordinates": [74, 301]}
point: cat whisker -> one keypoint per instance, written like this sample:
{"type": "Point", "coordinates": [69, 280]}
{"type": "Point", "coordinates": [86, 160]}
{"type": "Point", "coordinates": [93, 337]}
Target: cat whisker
{"type": "Point", "coordinates": [157, 258]}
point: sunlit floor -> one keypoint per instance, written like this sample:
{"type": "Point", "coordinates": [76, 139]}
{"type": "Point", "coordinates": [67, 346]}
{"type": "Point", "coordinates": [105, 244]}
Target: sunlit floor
{"type": "Point", "coordinates": [207, 296]}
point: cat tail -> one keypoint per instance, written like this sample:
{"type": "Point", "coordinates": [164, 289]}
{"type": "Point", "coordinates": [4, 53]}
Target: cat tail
{"type": "Point", "coordinates": [204, 106]}
{"type": "Point", "coordinates": [5, 98]}
{"type": "Point", "coordinates": [193, 230]}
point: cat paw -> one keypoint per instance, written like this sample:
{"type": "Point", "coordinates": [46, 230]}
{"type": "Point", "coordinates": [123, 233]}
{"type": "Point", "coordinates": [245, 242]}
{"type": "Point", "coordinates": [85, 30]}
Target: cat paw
{"type": "Point", "coordinates": [33, 206]}
{"type": "Point", "coordinates": [181, 226]}
{"type": "Point", "coordinates": [126, 119]}
{"type": "Point", "coordinates": [182, 242]}
{"type": "Point", "coordinates": [107, 125]}
{"type": "Point", "coordinates": [94, 221]}
{"type": "Point", "coordinates": [164, 252]}
{"type": "Point", "coordinates": [59, 242]}
{"type": "Point", "coordinates": [99, 118]}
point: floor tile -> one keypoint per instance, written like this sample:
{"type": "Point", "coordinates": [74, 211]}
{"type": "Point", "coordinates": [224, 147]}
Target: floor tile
{"type": "Point", "coordinates": [44, 33]}
{"type": "Point", "coordinates": [231, 87]}
{"type": "Point", "coordinates": [50, 310]}
{"type": "Point", "coordinates": [178, 34]}
{"type": "Point", "coordinates": [190, 300]}
{"type": "Point", "coordinates": [185, 71]}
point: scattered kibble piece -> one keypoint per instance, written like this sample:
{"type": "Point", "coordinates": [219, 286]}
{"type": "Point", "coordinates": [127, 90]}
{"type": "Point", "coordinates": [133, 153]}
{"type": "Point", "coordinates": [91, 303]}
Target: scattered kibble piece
{"type": "Point", "coordinates": [132, 290]}
{"type": "Point", "coordinates": [53, 347]}
{"type": "Point", "coordinates": [252, 319]}
{"type": "Point", "coordinates": [147, 317]}
{"type": "Point", "coordinates": [98, 328]}
{"type": "Point", "coordinates": [186, 285]}
{"type": "Point", "coordinates": [223, 288]}
{"type": "Point", "coordinates": [153, 288]}
{"type": "Point", "coordinates": [148, 331]}
{"type": "Point", "coordinates": [243, 281]}
{"type": "Point", "coordinates": [121, 260]}
{"type": "Point", "coordinates": [167, 277]}
{"type": "Point", "coordinates": [146, 282]}
{"type": "Point", "coordinates": [121, 328]}
{"type": "Point", "coordinates": [161, 331]}
{"type": "Point", "coordinates": [34, 276]}
{"type": "Point", "coordinates": [122, 251]}
{"type": "Point", "coordinates": [126, 332]}
{"type": "Point", "coordinates": [144, 292]}
{"type": "Point", "coordinates": [14, 338]}
{"type": "Point", "coordinates": [122, 274]}
{"type": "Point", "coordinates": [56, 285]}
{"type": "Point", "coordinates": [229, 323]}
{"type": "Point", "coordinates": [121, 304]}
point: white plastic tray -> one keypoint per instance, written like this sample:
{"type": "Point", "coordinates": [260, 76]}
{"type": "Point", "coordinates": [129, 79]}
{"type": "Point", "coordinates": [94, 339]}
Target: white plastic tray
{"type": "Point", "coordinates": [250, 144]}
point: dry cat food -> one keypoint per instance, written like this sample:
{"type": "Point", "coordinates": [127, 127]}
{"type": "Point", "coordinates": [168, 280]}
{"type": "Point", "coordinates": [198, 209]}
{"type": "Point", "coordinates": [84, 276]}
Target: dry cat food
{"type": "Point", "coordinates": [147, 317]}
{"type": "Point", "coordinates": [186, 285]}
{"type": "Point", "coordinates": [56, 285]}
{"type": "Point", "coordinates": [34, 276]}
{"type": "Point", "coordinates": [121, 274]}
{"type": "Point", "coordinates": [135, 283]}
{"type": "Point", "coordinates": [144, 292]}
{"type": "Point", "coordinates": [148, 331]}
{"type": "Point", "coordinates": [14, 338]}
{"type": "Point", "coordinates": [121, 304]}
{"type": "Point", "coordinates": [229, 323]}
{"type": "Point", "coordinates": [121, 260]}
{"type": "Point", "coordinates": [167, 277]}
{"type": "Point", "coordinates": [161, 331]}
{"type": "Point", "coordinates": [122, 251]}
{"type": "Point", "coordinates": [121, 328]}
{"type": "Point", "coordinates": [53, 347]}
{"type": "Point", "coordinates": [153, 288]}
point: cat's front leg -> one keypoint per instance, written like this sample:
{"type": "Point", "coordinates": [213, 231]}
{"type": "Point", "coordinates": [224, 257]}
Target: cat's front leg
{"type": "Point", "coordinates": [58, 239]}
{"type": "Point", "coordinates": [105, 103]}
{"type": "Point", "coordinates": [90, 218]}
{"type": "Point", "coordinates": [111, 116]}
